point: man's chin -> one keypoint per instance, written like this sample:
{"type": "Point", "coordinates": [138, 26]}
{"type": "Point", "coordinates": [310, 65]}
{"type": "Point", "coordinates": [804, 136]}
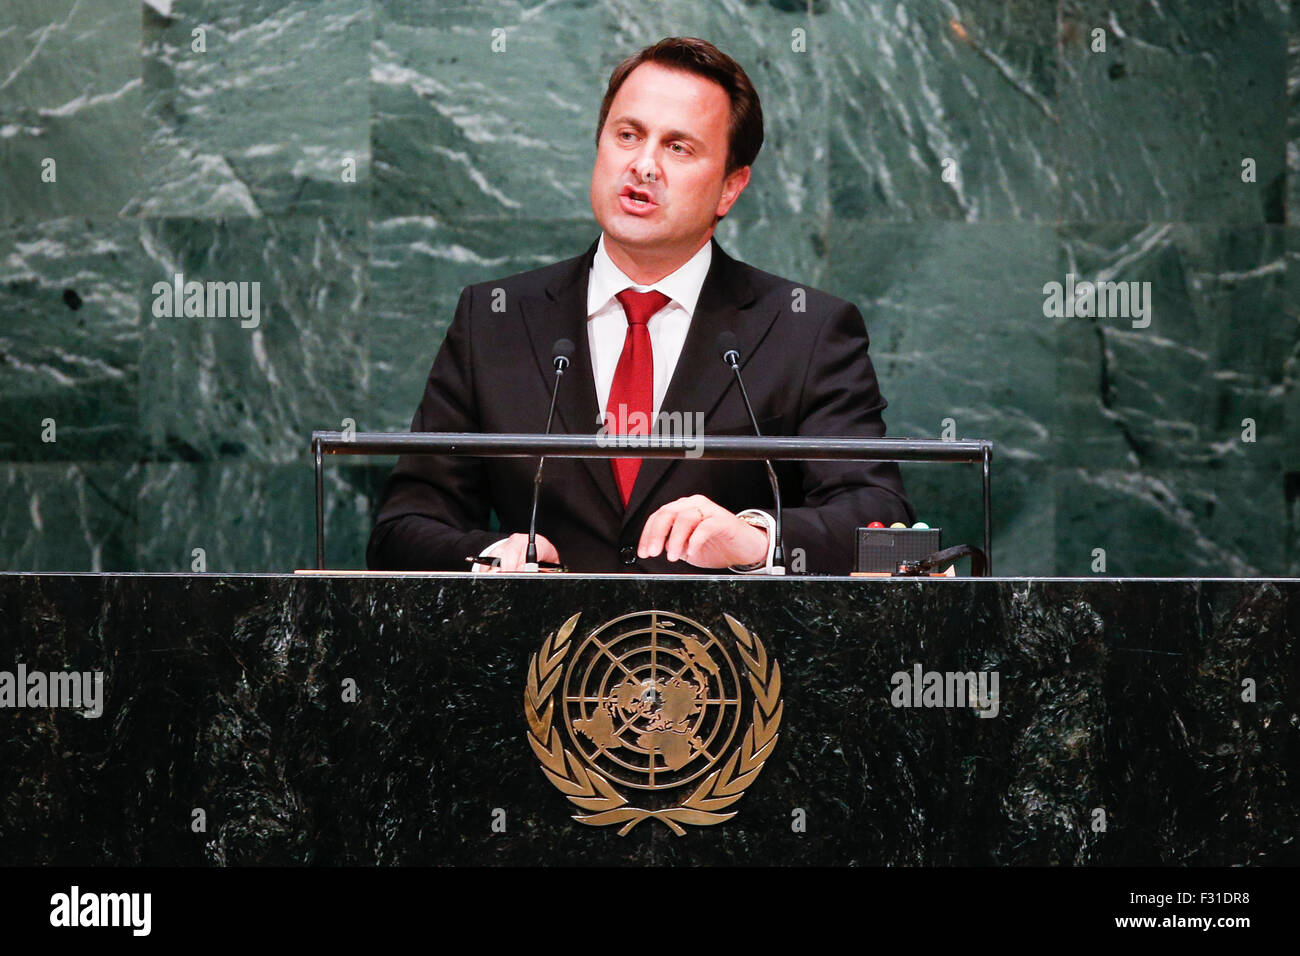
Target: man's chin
{"type": "Point", "coordinates": [636, 234]}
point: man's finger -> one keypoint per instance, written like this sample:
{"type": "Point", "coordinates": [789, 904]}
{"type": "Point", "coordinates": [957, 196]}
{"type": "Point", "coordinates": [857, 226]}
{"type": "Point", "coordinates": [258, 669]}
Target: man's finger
{"type": "Point", "coordinates": [512, 554]}
{"type": "Point", "coordinates": [700, 538]}
{"type": "Point", "coordinates": [685, 522]}
{"type": "Point", "coordinates": [655, 531]}
{"type": "Point", "coordinates": [547, 551]}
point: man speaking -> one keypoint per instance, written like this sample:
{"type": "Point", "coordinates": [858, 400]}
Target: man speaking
{"type": "Point", "coordinates": [644, 307]}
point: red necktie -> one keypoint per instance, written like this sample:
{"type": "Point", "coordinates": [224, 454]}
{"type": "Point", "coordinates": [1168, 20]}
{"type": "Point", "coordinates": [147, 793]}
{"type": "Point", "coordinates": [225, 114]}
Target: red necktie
{"type": "Point", "coordinates": [632, 394]}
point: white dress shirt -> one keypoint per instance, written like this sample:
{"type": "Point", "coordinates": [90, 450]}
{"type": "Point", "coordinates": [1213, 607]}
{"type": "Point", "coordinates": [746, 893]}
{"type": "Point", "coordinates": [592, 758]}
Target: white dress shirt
{"type": "Point", "coordinates": [607, 322]}
{"type": "Point", "coordinates": [607, 331]}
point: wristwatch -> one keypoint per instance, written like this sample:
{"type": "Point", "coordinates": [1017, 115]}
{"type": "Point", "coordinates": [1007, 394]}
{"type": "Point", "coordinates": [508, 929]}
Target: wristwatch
{"type": "Point", "coordinates": [757, 519]}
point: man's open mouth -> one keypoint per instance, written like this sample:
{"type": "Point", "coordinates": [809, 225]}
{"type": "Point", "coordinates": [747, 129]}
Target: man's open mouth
{"type": "Point", "coordinates": [638, 197]}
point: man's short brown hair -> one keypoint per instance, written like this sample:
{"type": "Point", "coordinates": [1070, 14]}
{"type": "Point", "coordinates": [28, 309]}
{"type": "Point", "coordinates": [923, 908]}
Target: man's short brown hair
{"type": "Point", "coordinates": [692, 55]}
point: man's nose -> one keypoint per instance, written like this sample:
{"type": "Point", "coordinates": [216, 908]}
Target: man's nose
{"type": "Point", "coordinates": [646, 168]}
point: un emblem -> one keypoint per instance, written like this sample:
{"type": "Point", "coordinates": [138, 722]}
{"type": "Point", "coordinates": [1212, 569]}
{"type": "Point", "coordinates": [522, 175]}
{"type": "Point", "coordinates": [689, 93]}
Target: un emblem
{"type": "Point", "coordinates": [652, 705]}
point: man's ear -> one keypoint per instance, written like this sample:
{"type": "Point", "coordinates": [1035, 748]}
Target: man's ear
{"type": "Point", "coordinates": [734, 185]}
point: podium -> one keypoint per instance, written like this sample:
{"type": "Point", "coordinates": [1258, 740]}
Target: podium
{"type": "Point", "coordinates": [383, 720]}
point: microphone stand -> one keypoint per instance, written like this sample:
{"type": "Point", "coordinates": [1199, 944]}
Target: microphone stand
{"type": "Point", "coordinates": [732, 357]}
{"type": "Point", "coordinates": [561, 361]}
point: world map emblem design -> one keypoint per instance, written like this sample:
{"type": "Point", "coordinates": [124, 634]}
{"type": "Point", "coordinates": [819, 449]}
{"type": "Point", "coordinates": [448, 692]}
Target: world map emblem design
{"type": "Point", "coordinates": [651, 707]}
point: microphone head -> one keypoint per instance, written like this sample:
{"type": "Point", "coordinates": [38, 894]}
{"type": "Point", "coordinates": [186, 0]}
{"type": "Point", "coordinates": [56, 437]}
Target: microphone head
{"type": "Point", "coordinates": [728, 346]}
{"type": "Point", "coordinates": [562, 353]}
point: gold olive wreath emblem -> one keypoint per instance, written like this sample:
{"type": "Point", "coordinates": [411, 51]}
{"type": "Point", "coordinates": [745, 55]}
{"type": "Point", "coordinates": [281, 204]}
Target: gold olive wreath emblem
{"type": "Point", "coordinates": [651, 701]}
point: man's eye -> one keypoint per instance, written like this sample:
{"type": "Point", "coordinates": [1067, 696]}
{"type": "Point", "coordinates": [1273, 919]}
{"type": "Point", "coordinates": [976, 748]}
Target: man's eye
{"type": "Point", "coordinates": [624, 134]}
{"type": "Point", "coordinates": [678, 148]}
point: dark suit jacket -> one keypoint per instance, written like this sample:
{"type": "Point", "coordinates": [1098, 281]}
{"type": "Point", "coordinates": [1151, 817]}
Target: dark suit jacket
{"type": "Point", "coordinates": [807, 373]}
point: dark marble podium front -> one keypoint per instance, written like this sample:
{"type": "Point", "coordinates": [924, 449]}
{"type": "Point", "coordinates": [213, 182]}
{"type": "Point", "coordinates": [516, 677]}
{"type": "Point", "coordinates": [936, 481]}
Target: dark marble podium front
{"type": "Point", "coordinates": [1119, 700]}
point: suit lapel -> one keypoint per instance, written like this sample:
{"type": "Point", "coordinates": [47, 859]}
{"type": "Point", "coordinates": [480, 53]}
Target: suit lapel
{"type": "Point", "coordinates": [700, 378]}
{"type": "Point", "coordinates": [562, 314]}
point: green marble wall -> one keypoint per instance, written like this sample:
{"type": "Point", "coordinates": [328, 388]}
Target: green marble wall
{"type": "Point", "coordinates": [363, 161]}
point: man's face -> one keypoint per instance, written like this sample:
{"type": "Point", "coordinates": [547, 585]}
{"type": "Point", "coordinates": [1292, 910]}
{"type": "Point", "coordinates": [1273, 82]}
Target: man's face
{"type": "Point", "coordinates": [672, 126]}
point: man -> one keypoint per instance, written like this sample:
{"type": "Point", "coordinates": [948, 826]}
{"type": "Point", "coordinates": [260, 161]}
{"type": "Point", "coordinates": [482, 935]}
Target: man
{"type": "Point", "coordinates": [679, 128]}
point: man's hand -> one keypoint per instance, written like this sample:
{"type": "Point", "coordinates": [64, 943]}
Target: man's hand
{"type": "Point", "coordinates": [699, 532]}
{"type": "Point", "coordinates": [515, 549]}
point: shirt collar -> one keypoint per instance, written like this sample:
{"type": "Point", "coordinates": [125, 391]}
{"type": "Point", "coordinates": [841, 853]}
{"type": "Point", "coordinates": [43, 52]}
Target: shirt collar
{"type": "Point", "coordinates": [682, 286]}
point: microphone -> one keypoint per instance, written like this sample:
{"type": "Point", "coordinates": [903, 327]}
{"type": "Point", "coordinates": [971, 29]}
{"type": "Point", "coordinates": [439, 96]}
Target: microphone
{"type": "Point", "coordinates": [729, 349]}
{"type": "Point", "coordinates": [561, 355]}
